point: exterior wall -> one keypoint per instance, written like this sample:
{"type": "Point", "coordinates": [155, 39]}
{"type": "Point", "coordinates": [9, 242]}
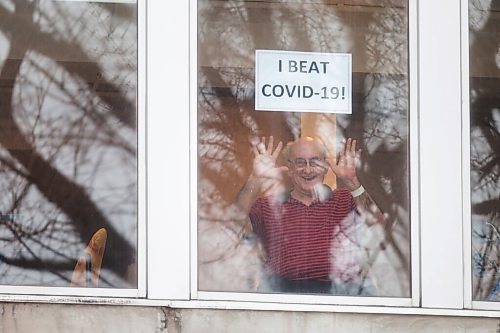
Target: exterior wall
{"type": "Point", "coordinates": [56, 318]}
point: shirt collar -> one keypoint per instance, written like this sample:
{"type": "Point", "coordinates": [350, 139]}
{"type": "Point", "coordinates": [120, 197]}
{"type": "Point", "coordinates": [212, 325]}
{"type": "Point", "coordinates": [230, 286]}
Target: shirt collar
{"type": "Point", "coordinates": [325, 194]}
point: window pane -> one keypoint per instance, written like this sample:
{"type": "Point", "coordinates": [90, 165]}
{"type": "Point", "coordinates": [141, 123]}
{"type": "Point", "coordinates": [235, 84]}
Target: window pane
{"type": "Point", "coordinates": [68, 77]}
{"type": "Point", "coordinates": [484, 36]}
{"type": "Point", "coordinates": [265, 222]}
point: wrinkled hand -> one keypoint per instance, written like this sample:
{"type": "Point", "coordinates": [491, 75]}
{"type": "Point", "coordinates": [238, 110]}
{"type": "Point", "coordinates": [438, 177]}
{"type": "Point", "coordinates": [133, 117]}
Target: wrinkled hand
{"type": "Point", "coordinates": [264, 164]}
{"type": "Point", "coordinates": [345, 166]}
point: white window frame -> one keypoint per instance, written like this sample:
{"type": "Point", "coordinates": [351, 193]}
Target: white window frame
{"type": "Point", "coordinates": [8, 292]}
{"type": "Point", "coordinates": [168, 154]}
{"type": "Point", "coordinates": [467, 222]}
{"type": "Point", "coordinates": [435, 177]}
{"type": "Point", "coordinates": [440, 154]}
{"type": "Point", "coordinates": [308, 299]}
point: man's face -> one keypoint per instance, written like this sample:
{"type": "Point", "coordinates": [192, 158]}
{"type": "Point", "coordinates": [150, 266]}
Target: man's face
{"type": "Point", "coordinates": [307, 166]}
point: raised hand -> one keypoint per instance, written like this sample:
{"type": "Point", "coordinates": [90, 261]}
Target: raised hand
{"type": "Point", "coordinates": [345, 166]}
{"type": "Point", "coordinates": [264, 164]}
{"type": "Point", "coordinates": [265, 178]}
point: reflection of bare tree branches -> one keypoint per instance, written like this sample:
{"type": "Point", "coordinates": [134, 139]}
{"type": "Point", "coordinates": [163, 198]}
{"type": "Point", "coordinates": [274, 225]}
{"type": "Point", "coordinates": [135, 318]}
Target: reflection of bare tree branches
{"type": "Point", "coordinates": [228, 34]}
{"type": "Point", "coordinates": [86, 100]}
{"type": "Point", "coordinates": [72, 199]}
{"type": "Point", "coordinates": [65, 132]}
{"type": "Point", "coordinates": [36, 261]}
{"type": "Point", "coordinates": [485, 146]}
{"type": "Point", "coordinates": [30, 36]}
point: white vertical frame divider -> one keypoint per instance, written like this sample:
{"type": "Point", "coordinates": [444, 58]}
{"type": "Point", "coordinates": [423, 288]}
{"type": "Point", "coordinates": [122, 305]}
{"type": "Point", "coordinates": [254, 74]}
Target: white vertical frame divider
{"type": "Point", "coordinates": [440, 95]}
{"type": "Point", "coordinates": [193, 26]}
{"type": "Point", "coordinates": [141, 150]}
{"type": "Point", "coordinates": [168, 149]}
{"type": "Point", "coordinates": [413, 15]}
{"type": "Point", "coordinates": [466, 200]}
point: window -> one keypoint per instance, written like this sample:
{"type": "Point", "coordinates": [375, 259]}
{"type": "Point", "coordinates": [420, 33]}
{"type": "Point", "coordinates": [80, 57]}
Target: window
{"type": "Point", "coordinates": [69, 145]}
{"type": "Point", "coordinates": [407, 71]}
{"type": "Point", "coordinates": [359, 259]}
{"type": "Point", "coordinates": [484, 74]}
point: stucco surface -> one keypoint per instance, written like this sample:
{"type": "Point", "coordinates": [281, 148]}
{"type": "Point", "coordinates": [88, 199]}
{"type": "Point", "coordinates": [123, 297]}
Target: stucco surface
{"type": "Point", "coordinates": [220, 321]}
{"type": "Point", "coordinates": [55, 318]}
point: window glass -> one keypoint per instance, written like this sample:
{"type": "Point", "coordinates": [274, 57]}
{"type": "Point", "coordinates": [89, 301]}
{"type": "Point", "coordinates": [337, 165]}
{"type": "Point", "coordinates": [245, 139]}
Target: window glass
{"type": "Point", "coordinates": [485, 147]}
{"type": "Point", "coordinates": [68, 167]}
{"type": "Point", "coordinates": [265, 221]}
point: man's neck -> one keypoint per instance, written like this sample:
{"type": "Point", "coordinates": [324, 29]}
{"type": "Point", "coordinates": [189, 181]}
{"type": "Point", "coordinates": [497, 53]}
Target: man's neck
{"type": "Point", "coordinates": [306, 198]}
{"type": "Point", "coordinates": [320, 193]}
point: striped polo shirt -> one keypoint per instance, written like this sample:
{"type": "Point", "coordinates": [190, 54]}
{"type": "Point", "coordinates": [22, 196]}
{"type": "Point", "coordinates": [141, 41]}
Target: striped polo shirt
{"type": "Point", "coordinates": [301, 241]}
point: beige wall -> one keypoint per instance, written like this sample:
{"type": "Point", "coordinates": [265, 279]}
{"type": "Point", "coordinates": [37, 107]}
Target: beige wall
{"type": "Point", "coordinates": [54, 318]}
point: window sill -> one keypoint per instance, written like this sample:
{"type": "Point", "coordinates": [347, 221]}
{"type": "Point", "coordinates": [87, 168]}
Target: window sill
{"type": "Point", "coordinates": [252, 306]}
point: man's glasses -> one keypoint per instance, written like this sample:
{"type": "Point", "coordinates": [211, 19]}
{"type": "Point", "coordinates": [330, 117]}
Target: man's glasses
{"type": "Point", "coordinates": [315, 162]}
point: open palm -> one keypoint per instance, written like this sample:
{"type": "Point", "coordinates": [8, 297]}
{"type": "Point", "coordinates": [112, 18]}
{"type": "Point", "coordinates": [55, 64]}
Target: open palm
{"type": "Point", "coordinates": [345, 166]}
{"type": "Point", "coordinates": [264, 165]}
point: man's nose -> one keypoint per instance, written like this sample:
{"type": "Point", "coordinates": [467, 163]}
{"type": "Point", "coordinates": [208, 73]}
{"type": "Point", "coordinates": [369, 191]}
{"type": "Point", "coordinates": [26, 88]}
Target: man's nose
{"type": "Point", "coordinates": [308, 168]}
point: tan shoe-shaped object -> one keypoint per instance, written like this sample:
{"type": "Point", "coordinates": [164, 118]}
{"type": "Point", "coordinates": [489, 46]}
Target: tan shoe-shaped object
{"type": "Point", "coordinates": [88, 266]}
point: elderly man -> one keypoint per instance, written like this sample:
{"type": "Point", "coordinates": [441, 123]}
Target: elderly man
{"type": "Point", "coordinates": [302, 230]}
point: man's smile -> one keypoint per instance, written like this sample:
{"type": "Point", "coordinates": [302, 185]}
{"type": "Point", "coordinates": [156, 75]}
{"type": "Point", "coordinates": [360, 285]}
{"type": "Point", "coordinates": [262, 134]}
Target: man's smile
{"type": "Point", "coordinates": [308, 177]}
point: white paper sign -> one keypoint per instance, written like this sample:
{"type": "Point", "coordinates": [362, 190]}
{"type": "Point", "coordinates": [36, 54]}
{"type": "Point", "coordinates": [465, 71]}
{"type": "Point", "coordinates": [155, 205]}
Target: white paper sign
{"type": "Point", "coordinates": [303, 81]}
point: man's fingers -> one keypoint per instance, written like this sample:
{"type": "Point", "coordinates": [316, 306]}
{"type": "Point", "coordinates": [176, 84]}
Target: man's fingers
{"type": "Point", "coordinates": [353, 147]}
{"type": "Point", "coordinates": [348, 146]}
{"type": "Point", "coordinates": [270, 145]}
{"type": "Point", "coordinates": [277, 151]}
{"type": "Point", "coordinates": [344, 147]}
{"type": "Point", "coordinates": [350, 153]}
{"type": "Point", "coordinates": [261, 147]}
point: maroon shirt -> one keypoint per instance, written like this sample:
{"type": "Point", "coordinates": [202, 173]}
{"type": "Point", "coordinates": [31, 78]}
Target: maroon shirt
{"type": "Point", "coordinates": [301, 241]}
